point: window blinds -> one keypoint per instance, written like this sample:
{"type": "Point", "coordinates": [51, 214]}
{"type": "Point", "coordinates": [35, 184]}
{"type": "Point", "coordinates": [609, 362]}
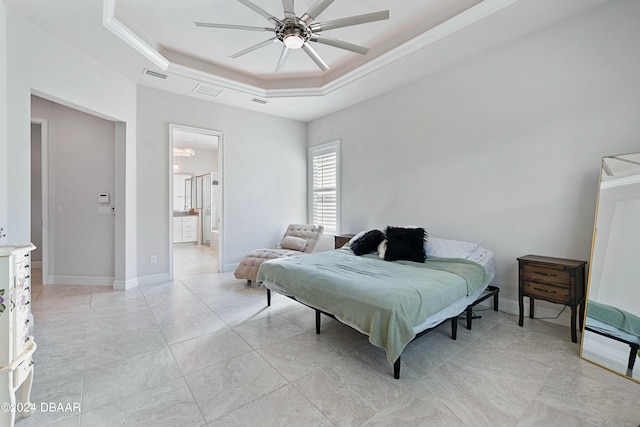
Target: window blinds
{"type": "Point", "coordinates": [324, 197]}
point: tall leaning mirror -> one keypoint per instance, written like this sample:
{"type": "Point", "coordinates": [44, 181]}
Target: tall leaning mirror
{"type": "Point", "coordinates": [611, 336]}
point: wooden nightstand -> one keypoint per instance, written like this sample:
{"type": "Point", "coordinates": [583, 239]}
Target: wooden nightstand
{"type": "Point", "coordinates": [555, 280]}
{"type": "Point", "coordinates": [341, 239]}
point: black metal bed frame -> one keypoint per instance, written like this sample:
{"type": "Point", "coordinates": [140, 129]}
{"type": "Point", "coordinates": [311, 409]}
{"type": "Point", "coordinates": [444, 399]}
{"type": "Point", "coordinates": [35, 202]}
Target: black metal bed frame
{"type": "Point", "coordinates": [491, 291]}
{"type": "Point", "coordinates": [633, 353]}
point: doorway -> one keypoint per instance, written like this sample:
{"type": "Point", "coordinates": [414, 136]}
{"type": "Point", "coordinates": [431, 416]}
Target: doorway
{"type": "Point", "coordinates": [195, 200]}
{"type": "Point", "coordinates": [73, 163]}
{"type": "Point", "coordinates": [39, 197]}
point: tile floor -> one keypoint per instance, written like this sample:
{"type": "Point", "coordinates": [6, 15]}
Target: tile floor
{"type": "Point", "coordinates": [204, 350]}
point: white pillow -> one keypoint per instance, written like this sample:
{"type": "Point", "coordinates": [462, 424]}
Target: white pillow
{"type": "Point", "coordinates": [382, 248]}
{"type": "Point", "coordinates": [293, 243]}
{"type": "Point", "coordinates": [357, 236]}
{"type": "Point", "coordinates": [445, 248]}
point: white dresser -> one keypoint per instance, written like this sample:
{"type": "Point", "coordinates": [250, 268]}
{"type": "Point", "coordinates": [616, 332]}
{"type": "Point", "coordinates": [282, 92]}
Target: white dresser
{"type": "Point", "coordinates": [16, 345]}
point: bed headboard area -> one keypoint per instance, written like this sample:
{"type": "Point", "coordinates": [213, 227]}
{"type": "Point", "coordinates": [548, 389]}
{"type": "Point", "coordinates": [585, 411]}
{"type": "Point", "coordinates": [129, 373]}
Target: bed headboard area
{"type": "Point", "coordinates": [435, 247]}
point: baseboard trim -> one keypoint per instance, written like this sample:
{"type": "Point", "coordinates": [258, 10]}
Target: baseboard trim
{"type": "Point", "coordinates": [124, 285]}
{"type": "Point", "coordinates": [605, 351]}
{"type": "Point", "coordinates": [79, 280]}
{"type": "Point", "coordinates": [153, 279]}
{"type": "Point", "coordinates": [230, 267]}
{"type": "Point", "coordinates": [118, 285]}
{"type": "Point", "coordinates": [511, 306]}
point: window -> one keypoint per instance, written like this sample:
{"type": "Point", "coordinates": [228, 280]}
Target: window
{"type": "Point", "coordinates": [324, 186]}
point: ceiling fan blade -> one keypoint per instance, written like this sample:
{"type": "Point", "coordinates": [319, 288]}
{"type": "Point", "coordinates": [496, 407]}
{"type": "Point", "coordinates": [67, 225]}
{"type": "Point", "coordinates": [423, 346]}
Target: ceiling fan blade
{"type": "Point", "coordinates": [352, 20]}
{"type": "Point", "coordinates": [260, 11]}
{"type": "Point", "coordinates": [339, 44]}
{"type": "Point", "coordinates": [232, 27]}
{"type": "Point", "coordinates": [254, 47]}
{"type": "Point", "coordinates": [314, 55]}
{"type": "Point", "coordinates": [283, 58]}
{"type": "Point", "coordinates": [289, 11]}
{"type": "Point", "coordinates": [315, 10]}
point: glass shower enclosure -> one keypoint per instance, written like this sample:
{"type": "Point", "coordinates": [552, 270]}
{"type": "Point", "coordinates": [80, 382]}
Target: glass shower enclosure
{"type": "Point", "coordinates": [205, 197]}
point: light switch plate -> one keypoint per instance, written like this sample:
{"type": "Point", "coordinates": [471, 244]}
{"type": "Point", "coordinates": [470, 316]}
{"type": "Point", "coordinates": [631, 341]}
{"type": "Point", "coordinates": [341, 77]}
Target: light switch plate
{"type": "Point", "coordinates": [104, 210]}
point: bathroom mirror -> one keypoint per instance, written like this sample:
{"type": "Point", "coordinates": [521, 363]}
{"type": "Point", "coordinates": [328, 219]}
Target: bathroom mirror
{"type": "Point", "coordinates": [611, 335]}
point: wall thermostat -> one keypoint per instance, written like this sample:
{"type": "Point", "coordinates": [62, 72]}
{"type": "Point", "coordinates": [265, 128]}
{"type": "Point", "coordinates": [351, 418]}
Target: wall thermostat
{"type": "Point", "coordinates": [103, 198]}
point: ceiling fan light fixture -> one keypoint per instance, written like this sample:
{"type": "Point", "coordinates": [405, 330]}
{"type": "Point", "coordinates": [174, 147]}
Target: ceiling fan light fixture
{"type": "Point", "coordinates": [184, 152]}
{"type": "Point", "coordinates": [296, 33]}
{"type": "Point", "coordinates": [293, 41]}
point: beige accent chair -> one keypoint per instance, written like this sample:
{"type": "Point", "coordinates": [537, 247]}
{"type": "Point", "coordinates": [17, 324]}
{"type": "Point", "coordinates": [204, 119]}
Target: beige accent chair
{"type": "Point", "coordinates": [299, 239]}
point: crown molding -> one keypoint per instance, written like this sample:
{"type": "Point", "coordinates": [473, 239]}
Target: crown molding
{"type": "Point", "coordinates": [458, 22]}
{"type": "Point", "coordinates": [110, 22]}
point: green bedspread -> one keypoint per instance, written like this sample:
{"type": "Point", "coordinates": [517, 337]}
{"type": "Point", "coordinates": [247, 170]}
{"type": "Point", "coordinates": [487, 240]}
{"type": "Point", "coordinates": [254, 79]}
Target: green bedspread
{"type": "Point", "coordinates": [615, 317]}
{"type": "Point", "coordinates": [382, 299]}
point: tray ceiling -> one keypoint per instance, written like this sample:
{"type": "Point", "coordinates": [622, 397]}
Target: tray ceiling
{"type": "Point", "coordinates": [169, 26]}
{"type": "Point", "coordinates": [420, 38]}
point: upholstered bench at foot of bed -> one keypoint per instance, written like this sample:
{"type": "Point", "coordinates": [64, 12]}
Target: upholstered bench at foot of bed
{"type": "Point", "coordinates": [250, 264]}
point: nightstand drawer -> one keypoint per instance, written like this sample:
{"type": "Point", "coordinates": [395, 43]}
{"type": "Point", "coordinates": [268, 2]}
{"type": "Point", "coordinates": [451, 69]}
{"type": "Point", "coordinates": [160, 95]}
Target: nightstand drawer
{"type": "Point", "coordinates": [546, 274]}
{"type": "Point", "coordinates": [559, 294]}
{"type": "Point", "coordinates": [341, 239]}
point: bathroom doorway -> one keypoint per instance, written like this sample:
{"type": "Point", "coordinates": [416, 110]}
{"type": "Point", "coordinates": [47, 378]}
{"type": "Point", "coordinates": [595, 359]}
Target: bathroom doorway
{"type": "Point", "coordinates": [196, 200]}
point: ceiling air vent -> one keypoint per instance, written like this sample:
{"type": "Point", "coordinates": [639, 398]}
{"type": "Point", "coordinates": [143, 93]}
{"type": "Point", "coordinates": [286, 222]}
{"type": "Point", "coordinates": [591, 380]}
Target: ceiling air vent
{"type": "Point", "coordinates": [258, 101]}
{"type": "Point", "coordinates": [207, 90]}
{"type": "Point", "coordinates": [148, 72]}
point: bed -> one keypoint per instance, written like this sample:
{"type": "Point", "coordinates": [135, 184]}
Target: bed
{"type": "Point", "coordinates": [617, 324]}
{"type": "Point", "coordinates": [392, 302]}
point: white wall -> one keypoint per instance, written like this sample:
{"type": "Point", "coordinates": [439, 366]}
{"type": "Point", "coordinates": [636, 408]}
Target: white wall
{"type": "Point", "coordinates": [264, 175]}
{"type": "Point", "coordinates": [81, 152]}
{"type": "Point", "coordinates": [266, 162]}
{"type": "Point", "coordinates": [4, 201]}
{"type": "Point", "coordinates": [40, 64]}
{"type": "Point", "coordinates": [503, 149]}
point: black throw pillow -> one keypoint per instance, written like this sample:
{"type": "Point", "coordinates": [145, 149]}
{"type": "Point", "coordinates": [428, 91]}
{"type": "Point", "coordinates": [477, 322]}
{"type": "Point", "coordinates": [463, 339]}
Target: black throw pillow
{"type": "Point", "coordinates": [368, 242]}
{"type": "Point", "coordinates": [405, 244]}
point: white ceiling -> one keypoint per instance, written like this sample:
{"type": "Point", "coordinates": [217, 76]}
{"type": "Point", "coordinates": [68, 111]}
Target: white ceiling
{"type": "Point", "coordinates": [420, 38]}
{"type": "Point", "coordinates": [170, 25]}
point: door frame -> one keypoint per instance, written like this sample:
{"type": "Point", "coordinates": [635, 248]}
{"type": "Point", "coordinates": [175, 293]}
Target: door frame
{"type": "Point", "coordinates": [219, 134]}
{"type": "Point", "coordinates": [44, 165]}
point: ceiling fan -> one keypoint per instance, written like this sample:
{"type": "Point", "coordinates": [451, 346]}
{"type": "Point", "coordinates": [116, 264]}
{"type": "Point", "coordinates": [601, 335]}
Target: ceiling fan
{"type": "Point", "coordinates": [298, 32]}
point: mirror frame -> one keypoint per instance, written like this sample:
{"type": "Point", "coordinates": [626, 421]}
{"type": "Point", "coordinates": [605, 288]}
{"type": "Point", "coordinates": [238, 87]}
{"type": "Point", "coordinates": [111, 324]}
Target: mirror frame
{"type": "Point", "coordinates": [590, 274]}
